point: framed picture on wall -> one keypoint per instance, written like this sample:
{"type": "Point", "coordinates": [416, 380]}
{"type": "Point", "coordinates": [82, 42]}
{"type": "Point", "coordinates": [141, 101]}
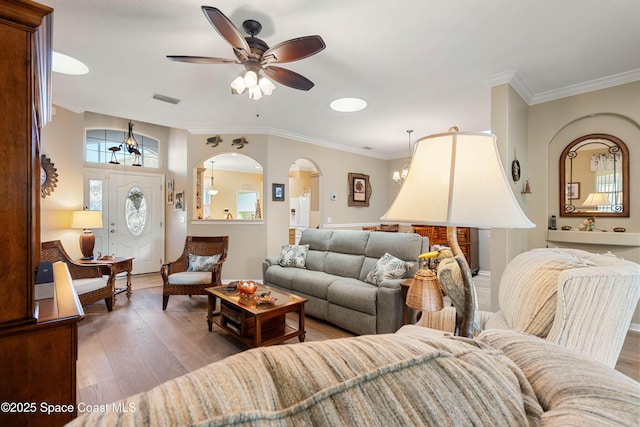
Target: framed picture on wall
{"type": "Point", "coordinates": [179, 201]}
{"type": "Point", "coordinates": [573, 190]}
{"type": "Point", "coordinates": [277, 192]}
{"type": "Point", "coordinates": [359, 189]}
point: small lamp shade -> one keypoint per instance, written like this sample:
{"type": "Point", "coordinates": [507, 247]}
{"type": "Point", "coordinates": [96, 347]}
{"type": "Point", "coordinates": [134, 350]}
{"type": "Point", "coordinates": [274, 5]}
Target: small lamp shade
{"type": "Point", "coordinates": [596, 199]}
{"type": "Point", "coordinates": [424, 293]}
{"type": "Point", "coordinates": [87, 220]}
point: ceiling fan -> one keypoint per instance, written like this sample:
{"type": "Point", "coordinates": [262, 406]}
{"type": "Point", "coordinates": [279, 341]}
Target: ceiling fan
{"type": "Point", "coordinates": [257, 56]}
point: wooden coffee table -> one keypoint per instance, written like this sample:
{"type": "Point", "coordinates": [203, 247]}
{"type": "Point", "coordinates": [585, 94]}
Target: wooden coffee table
{"type": "Point", "coordinates": [256, 325]}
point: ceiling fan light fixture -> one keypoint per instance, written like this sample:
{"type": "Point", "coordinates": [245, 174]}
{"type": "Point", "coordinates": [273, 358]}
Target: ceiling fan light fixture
{"type": "Point", "coordinates": [237, 85]}
{"type": "Point", "coordinates": [255, 93]}
{"type": "Point", "coordinates": [250, 79]}
{"type": "Point", "coordinates": [266, 85]}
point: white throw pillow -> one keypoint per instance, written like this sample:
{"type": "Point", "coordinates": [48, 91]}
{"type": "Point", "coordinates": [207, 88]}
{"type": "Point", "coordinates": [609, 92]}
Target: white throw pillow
{"type": "Point", "coordinates": [293, 256]}
{"type": "Point", "coordinates": [387, 267]}
{"type": "Point", "coordinates": [203, 263]}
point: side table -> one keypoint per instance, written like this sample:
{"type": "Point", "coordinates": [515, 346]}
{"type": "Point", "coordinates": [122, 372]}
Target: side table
{"type": "Point", "coordinates": [115, 266]}
{"type": "Point", "coordinates": [404, 288]}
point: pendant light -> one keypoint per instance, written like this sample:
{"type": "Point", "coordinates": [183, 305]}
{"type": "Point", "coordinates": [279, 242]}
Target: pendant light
{"type": "Point", "coordinates": [400, 176]}
{"type": "Point", "coordinates": [212, 188]}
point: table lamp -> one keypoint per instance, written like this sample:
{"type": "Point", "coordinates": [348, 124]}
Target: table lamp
{"type": "Point", "coordinates": [594, 200]}
{"type": "Point", "coordinates": [424, 294]}
{"type": "Point", "coordinates": [457, 179]}
{"type": "Point", "coordinates": [87, 220]}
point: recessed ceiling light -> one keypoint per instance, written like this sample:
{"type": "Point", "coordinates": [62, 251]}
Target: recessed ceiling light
{"type": "Point", "coordinates": [64, 64]}
{"type": "Point", "coordinates": [348, 105]}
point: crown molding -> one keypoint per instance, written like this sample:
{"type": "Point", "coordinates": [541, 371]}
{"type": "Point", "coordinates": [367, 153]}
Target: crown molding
{"type": "Point", "coordinates": [590, 86]}
{"type": "Point", "coordinates": [519, 85]}
{"type": "Point", "coordinates": [513, 78]}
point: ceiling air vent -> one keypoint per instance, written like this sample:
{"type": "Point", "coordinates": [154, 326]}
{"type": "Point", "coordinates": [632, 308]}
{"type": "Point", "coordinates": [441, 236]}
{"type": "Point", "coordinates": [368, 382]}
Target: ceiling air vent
{"type": "Point", "coordinates": [165, 98]}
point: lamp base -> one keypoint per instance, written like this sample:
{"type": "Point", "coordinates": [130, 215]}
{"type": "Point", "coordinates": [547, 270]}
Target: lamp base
{"type": "Point", "coordinates": [87, 242]}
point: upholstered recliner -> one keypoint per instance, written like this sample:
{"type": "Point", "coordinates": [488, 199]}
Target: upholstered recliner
{"type": "Point", "coordinates": [198, 267]}
{"type": "Point", "coordinates": [574, 298]}
{"type": "Point", "coordinates": [92, 282]}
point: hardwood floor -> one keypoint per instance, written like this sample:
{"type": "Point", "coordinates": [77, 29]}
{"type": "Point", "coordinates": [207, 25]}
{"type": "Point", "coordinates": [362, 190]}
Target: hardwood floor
{"type": "Point", "coordinates": [138, 346]}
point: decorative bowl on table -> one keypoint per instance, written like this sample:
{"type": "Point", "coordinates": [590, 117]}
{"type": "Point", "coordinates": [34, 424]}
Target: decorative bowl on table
{"type": "Point", "coordinates": [247, 288]}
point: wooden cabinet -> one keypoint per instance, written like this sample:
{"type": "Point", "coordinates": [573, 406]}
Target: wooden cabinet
{"type": "Point", "coordinates": [467, 239]}
{"type": "Point", "coordinates": [38, 344]}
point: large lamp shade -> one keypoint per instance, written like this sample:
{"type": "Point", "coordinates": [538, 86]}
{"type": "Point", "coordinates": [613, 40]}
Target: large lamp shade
{"type": "Point", "coordinates": [457, 178]}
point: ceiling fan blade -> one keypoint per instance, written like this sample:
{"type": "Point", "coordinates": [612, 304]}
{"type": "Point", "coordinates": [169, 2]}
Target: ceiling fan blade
{"type": "Point", "coordinates": [225, 28]}
{"type": "Point", "coordinates": [288, 78]}
{"type": "Point", "coordinates": [293, 50]}
{"type": "Point", "coordinates": [201, 59]}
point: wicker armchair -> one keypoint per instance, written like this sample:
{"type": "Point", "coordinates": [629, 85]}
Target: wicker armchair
{"type": "Point", "coordinates": [178, 279]}
{"type": "Point", "coordinates": [92, 282]}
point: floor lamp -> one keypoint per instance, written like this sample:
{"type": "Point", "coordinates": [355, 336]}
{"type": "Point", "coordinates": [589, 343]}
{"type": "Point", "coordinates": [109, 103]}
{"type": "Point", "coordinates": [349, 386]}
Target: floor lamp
{"type": "Point", "coordinates": [456, 179]}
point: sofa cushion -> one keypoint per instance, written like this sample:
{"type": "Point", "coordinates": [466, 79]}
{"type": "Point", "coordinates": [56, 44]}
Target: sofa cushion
{"type": "Point", "coordinates": [316, 260]}
{"type": "Point", "coordinates": [349, 242]}
{"type": "Point", "coordinates": [345, 265]}
{"type": "Point", "coordinates": [401, 245]}
{"type": "Point", "coordinates": [529, 285]}
{"type": "Point", "coordinates": [387, 267]}
{"type": "Point", "coordinates": [572, 389]}
{"type": "Point", "coordinates": [280, 276]}
{"type": "Point", "coordinates": [311, 282]}
{"type": "Point", "coordinates": [293, 256]}
{"type": "Point", "coordinates": [353, 294]}
{"type": "Point", "coordinates": [203, 263]}
{"type": "Point", "coordinates": [317, 238]}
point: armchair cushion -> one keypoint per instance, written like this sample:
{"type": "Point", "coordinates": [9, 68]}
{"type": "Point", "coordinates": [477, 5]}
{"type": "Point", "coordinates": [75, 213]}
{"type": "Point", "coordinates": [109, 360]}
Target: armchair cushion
{"type": "Point", "coordinates": [203, 263]}
{"type": "Point", "coordinates": [91, 284]}
{"type": "Point", "coordinates": [191, 278]}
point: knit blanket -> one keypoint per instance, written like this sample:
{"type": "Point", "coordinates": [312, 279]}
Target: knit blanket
{"type": "Point", "coordinates": [373, 380]}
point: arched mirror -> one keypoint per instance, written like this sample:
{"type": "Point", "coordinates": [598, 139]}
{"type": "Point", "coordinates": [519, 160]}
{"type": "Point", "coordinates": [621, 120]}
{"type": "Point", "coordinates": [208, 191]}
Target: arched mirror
{"type": "Point", "coordinates": [594, 177]}
{"type": "Point", "coordinates": [228, 187]}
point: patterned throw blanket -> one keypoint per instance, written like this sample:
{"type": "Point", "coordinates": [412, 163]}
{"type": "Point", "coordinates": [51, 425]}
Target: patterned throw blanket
{"type": "Point", "coordinates": [373, 380]}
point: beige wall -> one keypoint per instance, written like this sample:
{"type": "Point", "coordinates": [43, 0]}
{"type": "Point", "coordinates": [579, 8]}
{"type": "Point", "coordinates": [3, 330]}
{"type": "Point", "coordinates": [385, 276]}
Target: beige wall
{"type": "Point", "coordinates": [63, 142]}
{"type": "Point", "coordinates": [552, 126]}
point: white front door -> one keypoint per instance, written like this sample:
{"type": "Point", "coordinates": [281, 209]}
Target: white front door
{"type": "Point", "coordinates": [132, 207]}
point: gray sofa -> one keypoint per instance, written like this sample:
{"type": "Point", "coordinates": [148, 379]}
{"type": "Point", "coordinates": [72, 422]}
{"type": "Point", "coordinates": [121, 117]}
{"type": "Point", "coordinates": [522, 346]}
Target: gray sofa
{"type": "Point", "coordinates": [334, 277]}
